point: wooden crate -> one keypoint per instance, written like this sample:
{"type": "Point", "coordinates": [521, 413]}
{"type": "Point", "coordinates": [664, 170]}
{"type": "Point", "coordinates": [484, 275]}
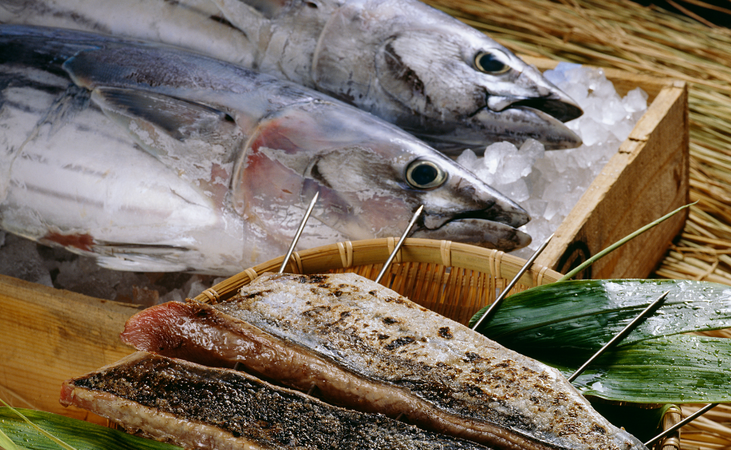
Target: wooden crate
{"type": "Point", "coordinates": [646, 179]}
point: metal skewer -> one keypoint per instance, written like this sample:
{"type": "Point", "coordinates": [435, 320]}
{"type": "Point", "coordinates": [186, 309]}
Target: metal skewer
{"type": "Point", "coordinates": [299, 232]}
{"type": "Point", "coordinates": [680, 424]}
{"type": "Point", "coordinates": [619, 336]}
{"type": "Point", "coordinates": [400, 242]}
{"type": "Point", "coordinates": [493, 307]}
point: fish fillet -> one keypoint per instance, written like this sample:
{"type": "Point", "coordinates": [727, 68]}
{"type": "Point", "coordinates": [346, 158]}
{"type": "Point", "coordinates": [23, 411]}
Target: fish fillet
{"type": "Point", "coordinates": [200, 407]}
{"type": "Point", "coordinates": [366, 347]}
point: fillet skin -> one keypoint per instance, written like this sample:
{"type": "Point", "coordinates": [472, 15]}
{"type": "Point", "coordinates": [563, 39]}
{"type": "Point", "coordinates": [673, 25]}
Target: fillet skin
{"type": "Point", "coordinates": [366, 347]}
{"type": "Point", "coordinates": [207, 408]}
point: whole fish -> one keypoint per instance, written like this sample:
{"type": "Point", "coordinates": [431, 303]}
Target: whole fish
{"type": "Point", "coordinates": [361, 345]}
{"type": "Point", "coordinates": [200, 407]}
{"type": "Point", "coordinates": [401, 60]}
{"type": "Point", "coordinates": [157, 159]}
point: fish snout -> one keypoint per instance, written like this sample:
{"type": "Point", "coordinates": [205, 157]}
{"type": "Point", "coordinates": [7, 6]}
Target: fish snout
{"type": "Point", "coordinates": [479, 232]}
{"type": "Point", "coordinates": [502, 211]}
{"type": "Point", "coordinates": [560, 107]}
{"type": "Point", "coordinates": [546, 97]}
{"type": "Point", "coordinates": [556, 104]}
{"type": "Point", "coordinates": [491, 205]}
{"type": "Point", "coordinates": [510, 214]}
{"type": "Point", "coordinates": [494, 226]}
{"type": "Point", "coordinates": [538, 114]}
{"type": "Point", "coordinates": [521, 121]}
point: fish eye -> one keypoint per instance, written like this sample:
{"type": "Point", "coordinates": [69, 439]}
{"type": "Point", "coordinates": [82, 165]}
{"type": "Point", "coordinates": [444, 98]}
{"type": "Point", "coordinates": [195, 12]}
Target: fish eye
{"type": "Point", "coordinates": [425, 174]}
{"type": "Point", "coordinates": [490, 63]}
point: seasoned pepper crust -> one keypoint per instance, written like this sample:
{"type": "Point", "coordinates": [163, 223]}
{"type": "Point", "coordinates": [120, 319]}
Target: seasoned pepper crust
{"type": "Point", "coordinates": [202, 407]}
{"type": "Point", "coordinates": [385, 337]}
{"type": "Point", "coordinates": [366, 347]}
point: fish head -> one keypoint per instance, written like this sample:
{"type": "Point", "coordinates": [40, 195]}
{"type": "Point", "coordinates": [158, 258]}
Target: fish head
{"type": "Point", "coordinates": [438, 78]}
{"type": "Point", "coordinates": [371, 177]}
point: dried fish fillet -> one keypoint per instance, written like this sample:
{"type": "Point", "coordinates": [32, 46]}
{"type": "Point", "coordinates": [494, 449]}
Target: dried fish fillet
{"type": "Point", "coordinates": [201, 407]}
{"type": "Point", "coordinates": [368, 348]}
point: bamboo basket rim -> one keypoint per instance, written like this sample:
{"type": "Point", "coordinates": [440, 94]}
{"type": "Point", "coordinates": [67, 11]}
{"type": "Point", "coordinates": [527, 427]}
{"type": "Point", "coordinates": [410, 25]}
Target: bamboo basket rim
{"type": "Point", "coordinates": [348, 255]}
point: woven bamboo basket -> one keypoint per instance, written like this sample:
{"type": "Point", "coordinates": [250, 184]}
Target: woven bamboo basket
{"type": "Point", "coordinates": [453, 279]}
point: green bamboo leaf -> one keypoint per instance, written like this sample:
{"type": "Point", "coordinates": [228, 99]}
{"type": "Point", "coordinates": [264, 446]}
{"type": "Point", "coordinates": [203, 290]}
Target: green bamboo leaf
{"type": "Point", "coordinates": [19, 415]}
{"type": "Point", "coordinates": [565, 323]}
{"type": "Point", "coordinates": [7, 444]}
{"type": "Point", "coordinates": [77, 433]}
{"type": "Point", "coordinates": [668, 370]}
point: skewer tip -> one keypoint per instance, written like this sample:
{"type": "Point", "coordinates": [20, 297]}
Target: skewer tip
{"type": "Point", "coordinates": [406, 232]}
{"type": "Point", "coordinates": [493, 307]}
{"type": "Point", "coordinates": [297, 235]}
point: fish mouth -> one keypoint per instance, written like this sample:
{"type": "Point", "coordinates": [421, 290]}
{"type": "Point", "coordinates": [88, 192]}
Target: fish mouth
{"type": "Point", "coordinates": [522, 119]}
{"type": "Point", "coordinates": [512, 218]}
{"type": "Point", "coordinates": [491, 227]}
{"type": "Point", "coordinates": [557, 105]}
{"type": "Point", "coordinates": [558, 108]}
{"type": "Point", "coordinates": [511, 119]}
{"type": "Point", "coordinates": [480, 232]}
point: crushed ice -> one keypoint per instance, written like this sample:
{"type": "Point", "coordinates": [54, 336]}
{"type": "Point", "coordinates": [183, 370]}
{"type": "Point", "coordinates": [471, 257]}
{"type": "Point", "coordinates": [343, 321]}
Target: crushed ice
{"type": "Point", "coordinates": [549, 184]}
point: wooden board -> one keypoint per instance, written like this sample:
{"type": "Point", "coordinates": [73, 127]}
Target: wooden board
{"type": "Point", "coordinates": [646, 179]}
{"type": "Point", "coordinates": [50, 335]}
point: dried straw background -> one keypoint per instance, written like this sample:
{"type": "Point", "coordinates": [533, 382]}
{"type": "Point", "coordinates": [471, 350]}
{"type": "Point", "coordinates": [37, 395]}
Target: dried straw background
{"type": "Point", "coordinates": [624, 35]}
{"type": "Point", "coordinates": [627, 36]}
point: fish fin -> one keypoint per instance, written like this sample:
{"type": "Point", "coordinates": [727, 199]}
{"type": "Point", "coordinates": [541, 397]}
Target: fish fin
{"type": "Point", "coordinates": [181, 119]}
{"type": "Point", "coordinates": [119, 256]}
{"type": "Point", "coordinates": [137, 264]}
{"type": "Point", "coordinates": [197, 141]}
{"type": "Point", "coordinates": [140, 258]}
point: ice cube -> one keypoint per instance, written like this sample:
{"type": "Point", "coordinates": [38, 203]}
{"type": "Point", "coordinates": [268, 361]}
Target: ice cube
{"type": "Point", "coordinates": [635, 100]}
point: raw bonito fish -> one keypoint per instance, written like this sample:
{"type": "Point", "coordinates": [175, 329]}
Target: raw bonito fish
{"type": "Point", "coordinates": [401, 60]}
{"type": "Point", "coordinates": [200, 407]}
{"type": "Point", "coordinates": [361, 345]}
{"type": "Point", "coordinates": [156, 159]}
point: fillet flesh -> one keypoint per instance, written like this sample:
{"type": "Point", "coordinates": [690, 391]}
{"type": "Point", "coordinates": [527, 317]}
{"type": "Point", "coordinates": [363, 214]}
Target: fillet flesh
{"type": "Point", "coordinates": [201, 407]}
{"type": "Point", "coordinates": [366, 347]}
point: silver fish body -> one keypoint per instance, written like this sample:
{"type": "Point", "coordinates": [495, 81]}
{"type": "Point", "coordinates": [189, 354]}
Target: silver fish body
{"type": "Point", "coordinates": [157, 159]}
{"type": "Point", "coordinates": [401, 60]}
